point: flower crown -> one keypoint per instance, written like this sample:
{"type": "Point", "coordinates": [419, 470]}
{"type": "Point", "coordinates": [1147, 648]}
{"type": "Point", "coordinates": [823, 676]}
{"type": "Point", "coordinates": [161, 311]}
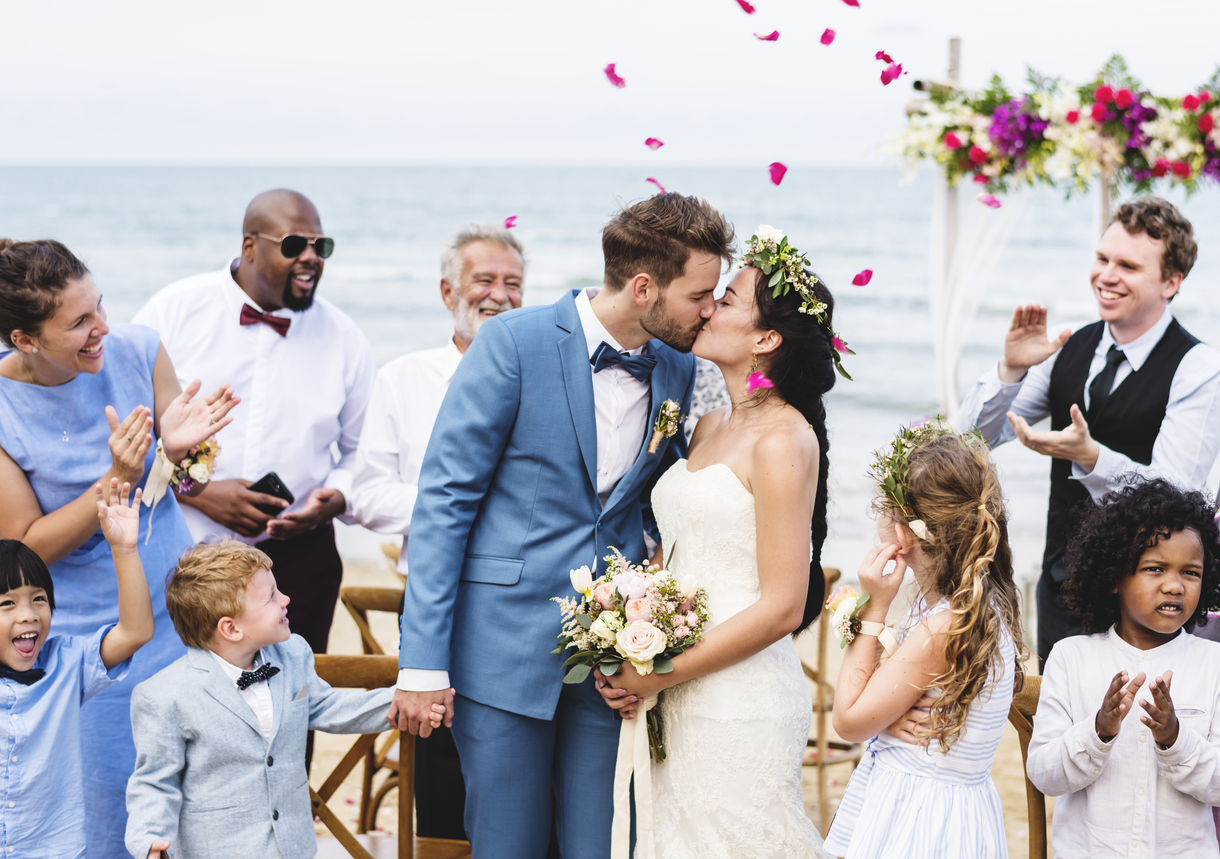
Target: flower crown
{"type": "Point", "coordinates": [769, 251]}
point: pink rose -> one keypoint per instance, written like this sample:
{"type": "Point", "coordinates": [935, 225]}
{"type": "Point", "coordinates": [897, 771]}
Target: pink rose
{"type": "Point", "coordinates": [681, 631]}
{"type": "Point", "coordinates": [1098, 112]}
{"type": "Point", "coordinates": [691, 618]}
{"type": "Point", "coordinates": [1123, 99]}
{"type": "Point", "coordinates": [1103, 94]}
{"type": "Point", "coordinates": [687, 605]}
{"type": "Point", "coordinates": [603, 595]}
{"type": "Point", "coordinates": [638, 609]}
{"type": "Point", "coordinates": [952, 140]}
{"type": "Point", "coordinates": [1072, 117]}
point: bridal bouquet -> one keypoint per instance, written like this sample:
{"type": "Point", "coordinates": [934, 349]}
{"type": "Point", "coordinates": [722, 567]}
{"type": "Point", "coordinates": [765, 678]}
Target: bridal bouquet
{"type": "Point", "coordinates": [634, 613]}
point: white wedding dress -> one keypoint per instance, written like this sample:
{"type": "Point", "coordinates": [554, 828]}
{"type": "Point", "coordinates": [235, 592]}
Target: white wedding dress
{"type": "Point", "coordinates": [730, 787]}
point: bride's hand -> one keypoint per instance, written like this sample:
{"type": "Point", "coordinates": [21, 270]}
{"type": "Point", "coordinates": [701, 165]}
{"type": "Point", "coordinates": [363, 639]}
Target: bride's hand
{"type": "Point", "coordinates": [616, 698]}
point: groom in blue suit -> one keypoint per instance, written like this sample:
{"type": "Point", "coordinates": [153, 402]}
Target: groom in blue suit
{"type": "Point", "coordinates": [538, 462]}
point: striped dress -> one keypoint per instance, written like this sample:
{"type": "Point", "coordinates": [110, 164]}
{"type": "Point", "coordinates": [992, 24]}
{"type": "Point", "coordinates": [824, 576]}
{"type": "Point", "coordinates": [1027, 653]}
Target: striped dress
{"type": "Point", "coordinates": [913, 802]}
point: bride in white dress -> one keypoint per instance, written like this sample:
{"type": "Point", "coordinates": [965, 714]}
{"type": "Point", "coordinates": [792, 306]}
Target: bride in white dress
{"type": "Point", "coordinates": [746, 515]}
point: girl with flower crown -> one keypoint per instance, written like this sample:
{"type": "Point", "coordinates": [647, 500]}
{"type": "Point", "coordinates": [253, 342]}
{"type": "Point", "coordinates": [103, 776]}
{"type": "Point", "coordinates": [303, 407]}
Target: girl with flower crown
{"type": "Point", "coordinates": [934, 711]}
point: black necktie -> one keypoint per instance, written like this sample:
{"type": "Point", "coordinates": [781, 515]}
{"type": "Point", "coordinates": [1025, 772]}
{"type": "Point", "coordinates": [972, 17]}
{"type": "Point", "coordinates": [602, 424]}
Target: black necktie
{"type": "Point", "coordinates": [639, 366]}
{"type": "Point", "coordinates": [1099, 389]}
{"type": "Point", "coordinates": [263, 672]}
{"type": "Point", "coordinates": [26, 677]}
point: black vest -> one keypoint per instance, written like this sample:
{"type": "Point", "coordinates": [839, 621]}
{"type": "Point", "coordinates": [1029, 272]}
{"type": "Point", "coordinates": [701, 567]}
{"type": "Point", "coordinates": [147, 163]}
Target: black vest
{"type": "Point", "coordinates": [1128, 423]}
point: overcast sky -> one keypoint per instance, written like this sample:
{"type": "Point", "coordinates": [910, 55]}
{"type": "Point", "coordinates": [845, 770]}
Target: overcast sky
{"type": "Point", "coordinates": [499, 82]}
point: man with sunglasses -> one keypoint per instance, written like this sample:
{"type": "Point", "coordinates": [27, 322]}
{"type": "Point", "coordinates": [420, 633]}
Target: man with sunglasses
{"type": "Point", "coordinates": [304, 371]}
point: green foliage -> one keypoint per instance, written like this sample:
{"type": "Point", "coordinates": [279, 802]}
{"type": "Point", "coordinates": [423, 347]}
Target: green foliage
{"type": "Point", "coordinates": [1039, 82]}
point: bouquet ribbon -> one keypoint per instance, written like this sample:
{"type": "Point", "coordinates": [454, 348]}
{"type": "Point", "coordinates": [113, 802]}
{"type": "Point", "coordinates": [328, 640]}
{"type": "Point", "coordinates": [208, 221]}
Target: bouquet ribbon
{"type": "Point", "coordinates": [633, 756]}
{"type": "Point", "coordinates": [159, 477]}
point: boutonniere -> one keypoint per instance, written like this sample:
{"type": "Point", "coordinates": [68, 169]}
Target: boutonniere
{"type": "Point", "coordinates": [667, 423]}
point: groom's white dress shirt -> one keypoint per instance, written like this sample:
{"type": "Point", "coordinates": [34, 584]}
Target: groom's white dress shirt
{"type": "Point", "coordinates": [620, 403]}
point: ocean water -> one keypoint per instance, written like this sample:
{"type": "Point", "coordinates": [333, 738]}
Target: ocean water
{"type": "Point", "coordinates": [141, 228]}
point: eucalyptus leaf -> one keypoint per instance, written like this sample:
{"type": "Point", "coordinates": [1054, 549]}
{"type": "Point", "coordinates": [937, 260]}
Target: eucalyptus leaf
{"type": "Point", "coordinates": [584, 620]}
{"type": "Point", "coordinates": [579, 656]}
{"type": "Point", "coordinates": [608, 668]}
{"type": "Point", "coordinates": [860, 603]}
{"type": "Point", "coordinates": [662, 666]}
{"type": "Point", "coordinates": [577, 674]}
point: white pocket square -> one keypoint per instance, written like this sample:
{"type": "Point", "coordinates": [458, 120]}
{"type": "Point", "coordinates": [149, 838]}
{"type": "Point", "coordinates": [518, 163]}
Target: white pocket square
{"type": "Point", "coordinates": [303, 693]}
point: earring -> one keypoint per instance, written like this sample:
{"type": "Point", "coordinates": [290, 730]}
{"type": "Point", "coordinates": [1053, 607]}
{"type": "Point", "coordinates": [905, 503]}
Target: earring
{"type": "Point", "coordinates": [754, 364]}
{"type": "Point", "coordinates": [35, 349]}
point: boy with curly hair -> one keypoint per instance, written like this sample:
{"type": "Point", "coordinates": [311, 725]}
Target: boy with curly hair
{"type": "Point", "coordinates": [1128, 725]}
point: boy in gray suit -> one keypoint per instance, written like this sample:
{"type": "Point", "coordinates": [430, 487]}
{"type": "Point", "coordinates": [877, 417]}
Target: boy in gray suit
{"type": "Point", "coordinates": [220, 733]}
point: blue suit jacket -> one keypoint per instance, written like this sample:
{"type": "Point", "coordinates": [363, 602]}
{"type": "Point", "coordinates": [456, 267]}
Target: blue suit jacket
{"type": "Point", "coordinates": [508, 505]}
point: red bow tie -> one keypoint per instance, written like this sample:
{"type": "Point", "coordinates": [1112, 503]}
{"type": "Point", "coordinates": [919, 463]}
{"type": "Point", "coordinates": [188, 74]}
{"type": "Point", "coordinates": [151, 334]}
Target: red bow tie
{"type": "Point", "coordinates": [250, 316]}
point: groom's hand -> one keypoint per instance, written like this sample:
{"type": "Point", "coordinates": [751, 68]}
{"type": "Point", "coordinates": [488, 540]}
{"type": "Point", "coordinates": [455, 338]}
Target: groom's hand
{"type": "Point", "coordinates": [416, 712]}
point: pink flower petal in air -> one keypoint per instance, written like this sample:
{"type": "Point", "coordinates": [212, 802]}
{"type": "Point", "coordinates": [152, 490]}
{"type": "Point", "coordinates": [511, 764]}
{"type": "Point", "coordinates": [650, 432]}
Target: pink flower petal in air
{"type": "Point", "coordinates": [746, 7]}
{"type": "Point", "coordinates": [613, 77]}
{"type": "Point", "coordinates": [828, 36]}
{"type": "Point", "coordinates": [891, 73]}
{"type": "Point", "coordinates": [990, 200]}
{"type": "Point", "coordinates": [757, 380]}
{"type": "Point", "coordinates": [855, 3]}
{"type": "Point", "coordinates": [884, 57]}
{"type": "Point", "coordinates": [660, 187]}
{"type": "Point", "coordinates": [862, 278]}
{"type": "Point", "coordinates": [654, 144]}
{"type": "Point", "coordinates": [510, 222]}
{"type": "Point", "coordinates": [777, 169]}
{"type": "Point", "coordinates": [773, 36]}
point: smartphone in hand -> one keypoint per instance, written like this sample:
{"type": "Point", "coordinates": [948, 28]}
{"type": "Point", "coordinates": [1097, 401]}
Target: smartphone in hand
{"type": "Point", "coordinates": [270, 484]}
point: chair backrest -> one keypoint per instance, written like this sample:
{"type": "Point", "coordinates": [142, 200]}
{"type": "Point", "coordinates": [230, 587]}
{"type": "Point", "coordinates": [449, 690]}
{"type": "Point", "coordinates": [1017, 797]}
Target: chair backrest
{"type": "Point", "coordinates": [359, 601]}
{"type": "Point", "coordinates": [365, 672]}
{"type": "Point", "coordinates": [1020, 716]}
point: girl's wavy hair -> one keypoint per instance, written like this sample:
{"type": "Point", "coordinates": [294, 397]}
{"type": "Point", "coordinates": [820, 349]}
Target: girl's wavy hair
{"type": "Point", "coordinates": [802, 370]}
{"type": "Point", "coordinates": [953, 487]}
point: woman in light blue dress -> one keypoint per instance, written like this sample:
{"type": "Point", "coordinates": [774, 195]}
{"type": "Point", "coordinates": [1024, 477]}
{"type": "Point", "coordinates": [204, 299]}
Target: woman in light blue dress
{"type": "Point", "coordinates": [81, 403]}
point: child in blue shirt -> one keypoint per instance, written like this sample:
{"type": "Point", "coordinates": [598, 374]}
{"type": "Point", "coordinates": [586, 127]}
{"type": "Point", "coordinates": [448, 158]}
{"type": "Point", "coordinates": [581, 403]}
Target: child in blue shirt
{"type": "Point", "coordinates": [45, 679]}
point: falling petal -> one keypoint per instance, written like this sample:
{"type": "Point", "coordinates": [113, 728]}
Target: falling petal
{"type": "Point", "coordinates": [510, 222]}
{"type": "Point", "coordinates": [660, 187]}
{"type": "Point", "coordinates": [884, 57]}
{"type": "Point", "coordinates": [773, 36]}
{"type": "Point", "coordinates": [613, 77]}
{"type": "Point", "coordinates": [989, 200]}
{"type": "Point", "coordinates": [862, 278]}
{"type": "Point", "coordinates": [778, 169]}
{"type": "Point", "coordinates": [855, 3]}
{"type": "Point", "coordinates": [654, 144]}
{"type": "Point", "coordinates": [891, 73]}
{"type": "Point", "coordinates": [746, 7]}
{"type": "Point", "coordinates": [828, 36]}
{"type": "Point", "coordinates": [757, 380]}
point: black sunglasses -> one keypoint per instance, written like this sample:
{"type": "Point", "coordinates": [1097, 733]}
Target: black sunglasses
{"type": "Point", "coordinates": [292, 246]}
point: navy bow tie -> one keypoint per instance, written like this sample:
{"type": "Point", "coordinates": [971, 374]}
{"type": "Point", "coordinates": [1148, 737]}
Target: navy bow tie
{"type": "Point", "coordinates": [258, 675]}
{"type": "Point", "coordinates": [639, 366]}
{"type": "Point", "coordinates": [26, 677]}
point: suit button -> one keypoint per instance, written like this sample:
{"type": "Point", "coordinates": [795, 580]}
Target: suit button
{"type": "Point", "coordinates": [275, 815]}
{"type": "Point", "coordinates": [270, 760]}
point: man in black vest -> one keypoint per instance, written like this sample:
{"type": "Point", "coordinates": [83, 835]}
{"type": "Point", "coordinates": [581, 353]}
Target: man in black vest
{"type": "Point", "coordinates": [1132, 394]}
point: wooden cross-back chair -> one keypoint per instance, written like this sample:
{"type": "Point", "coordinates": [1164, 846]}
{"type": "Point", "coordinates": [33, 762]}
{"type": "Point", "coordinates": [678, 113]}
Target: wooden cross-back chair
{"type": "Point", "coordinates": [823, 752]}
{"type": "Point", "coordinates": [1020, 716]}
{"type": "Point", "coordinates": [372, 672]}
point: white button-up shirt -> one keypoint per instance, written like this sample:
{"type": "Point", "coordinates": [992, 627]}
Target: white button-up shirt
{"type": "Point", "coordinates": [1129, 797]}
{"type": "Point", "coordinates": [301, 394]}
{"type": "Point", "coordinates": [1186, 446]}
{"type": "Point", "coordinates": [257, 695]}
{"type": "Point", "coordinates": [406, 398]}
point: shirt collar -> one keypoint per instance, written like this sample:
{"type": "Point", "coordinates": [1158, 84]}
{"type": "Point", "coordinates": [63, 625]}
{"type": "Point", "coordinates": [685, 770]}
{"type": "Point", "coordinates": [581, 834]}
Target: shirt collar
{"type": "Point", "coordinates": [1131, 650]}
{"type": "Point", "coordinates": [235, 296]}
{"type": "Point", "coordinates": [233, 672]}
{"type": "Point", "coordinates": [595, 332]}
{"type": "Point", "coordinates": [1137, 351]}
{"type": "Point", "coordinates": [451, 356]}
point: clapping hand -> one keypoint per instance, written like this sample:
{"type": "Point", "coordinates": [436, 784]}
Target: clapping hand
{"type": "Point", "coordinates": [1026, 343]}
{"type": "Point", "coordinates": [1161, 718]}
{"type": "Point", "coordinates": [129, 442]}
{"type": "Point", "coordinates": [1073, 443]}
{"type": "Point", "coordinates": [1115, 706]}
{"type": "Point", "coordinates": [187, 422]}
{"type": "Point", "coordinates": [120, 522]}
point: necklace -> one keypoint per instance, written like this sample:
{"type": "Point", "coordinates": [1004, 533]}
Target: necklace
{"type": "Point", "coordinates": [62, 428]}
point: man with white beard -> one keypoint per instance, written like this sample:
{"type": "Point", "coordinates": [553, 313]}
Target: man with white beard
{"type": "Point", "coordinates": [482, 269]}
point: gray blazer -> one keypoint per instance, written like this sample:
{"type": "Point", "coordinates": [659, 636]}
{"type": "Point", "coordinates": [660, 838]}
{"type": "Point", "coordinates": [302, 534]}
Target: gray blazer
{"type": "Point", "coordinates": [208, 781]}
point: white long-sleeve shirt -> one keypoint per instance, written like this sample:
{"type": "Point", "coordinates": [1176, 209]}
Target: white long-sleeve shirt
{"type": "Point", "coordinates": [1186, 446]}
{"type": "Point", "coordinates": [1128, 797]}
{"type": "Point", "coordinates": [300, 393]}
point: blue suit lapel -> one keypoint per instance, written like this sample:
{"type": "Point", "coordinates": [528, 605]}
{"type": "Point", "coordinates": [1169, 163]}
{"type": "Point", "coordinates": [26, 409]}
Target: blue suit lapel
{"type": "Point", "coordinates": [221, 688]}
{"type": "Point", "coordinates": [578, 382]}
{"type": "Point", "coordinates": [281, 686]}
{"type": "Point", "coordinates": [660, 387]}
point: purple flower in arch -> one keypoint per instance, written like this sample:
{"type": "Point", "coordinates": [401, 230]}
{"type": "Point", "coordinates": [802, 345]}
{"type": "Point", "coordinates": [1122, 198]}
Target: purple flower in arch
{"type": "Point", "coordinates": [1015, 129]}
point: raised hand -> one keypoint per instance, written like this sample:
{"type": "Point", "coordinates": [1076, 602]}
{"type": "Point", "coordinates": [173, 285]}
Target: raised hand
{"type": "Point", "coordinates": [1161, 718]}
{"type": "Point", "coordinates": [186, 421]}
{"type": "Point", "coordinates": [120, 522]}
{"type": "Point", "coordinates": [881, 589]}
{"type": "Point", "coordinates": [1117, 703]}
{"type": "Point", "coordinates": [129, 442]}
{"type": "Point", "coordinates": [1026, 343]}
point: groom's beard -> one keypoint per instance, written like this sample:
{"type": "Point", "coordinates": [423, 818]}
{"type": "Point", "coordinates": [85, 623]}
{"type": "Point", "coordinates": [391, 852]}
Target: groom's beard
{"type": "Point", "coordinates": [665, 328]}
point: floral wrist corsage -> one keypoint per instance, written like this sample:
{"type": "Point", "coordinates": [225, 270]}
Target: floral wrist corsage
{"type": "Point", "coordinates": [197, 467]}
{"type": "Point", "coordinates": [844, 606]}
{"type": "Point", "coordinates": [669, 419]}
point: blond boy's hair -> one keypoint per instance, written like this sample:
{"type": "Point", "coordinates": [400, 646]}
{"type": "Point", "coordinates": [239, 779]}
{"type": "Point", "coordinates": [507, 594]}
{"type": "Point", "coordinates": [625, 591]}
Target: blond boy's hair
{"type": "Point", "coordinates": [208, 583]}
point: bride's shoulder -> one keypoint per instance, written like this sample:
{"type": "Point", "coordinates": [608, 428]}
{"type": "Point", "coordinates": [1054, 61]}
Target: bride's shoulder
{"type": "Point", "coordinates": [784, 444]}
{"type": "Point", "coordinates": [708, 424]}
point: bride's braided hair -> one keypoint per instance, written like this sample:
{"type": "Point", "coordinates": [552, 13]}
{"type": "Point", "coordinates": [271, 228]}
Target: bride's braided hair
{"type": "Point", "coordinates": [953, 487]}
{"type": "Point", "coordinates": [802, 370]}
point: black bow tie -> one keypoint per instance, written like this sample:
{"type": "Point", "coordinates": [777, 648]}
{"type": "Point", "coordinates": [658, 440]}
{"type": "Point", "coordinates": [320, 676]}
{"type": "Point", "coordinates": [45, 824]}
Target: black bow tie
{"type": "Point", "coordinates": [258, 675]}
{"type": "Point", "coordinates": [27, 677]}
{"type": "Point", "coordinates": [639, 366]}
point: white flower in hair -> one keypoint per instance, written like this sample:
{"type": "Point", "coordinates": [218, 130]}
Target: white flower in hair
{"type": "Point", "coordinates": [768, 233]}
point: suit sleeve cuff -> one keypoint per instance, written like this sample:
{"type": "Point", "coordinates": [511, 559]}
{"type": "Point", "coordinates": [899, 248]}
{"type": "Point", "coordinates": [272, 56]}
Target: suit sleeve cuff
{"type": "Point", "coordinates": [422, 680]}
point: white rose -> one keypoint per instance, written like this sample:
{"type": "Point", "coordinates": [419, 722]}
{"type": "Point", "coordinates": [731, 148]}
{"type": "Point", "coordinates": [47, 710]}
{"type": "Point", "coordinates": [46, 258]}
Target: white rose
{"type": "Point", "coordinates": [199, 472]}
{"type": "Point", "coordinates": [766, 232]}
{"type": "Point", "coordinates": [582, 580]}
{"type": "Point", "coordinates": [843, 611]}
{"type": "Point", "coordinates": [639, 642]}
{"type": "Point", "coordinates": [605, 627]}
